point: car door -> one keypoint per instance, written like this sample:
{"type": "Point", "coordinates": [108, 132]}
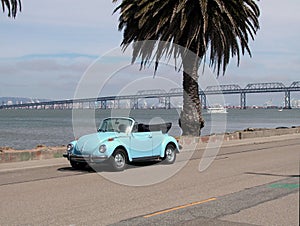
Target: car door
{"type": "Point", "coordinates": [157, 139]}
{"type": "Point", "coordinates": [141, 144]}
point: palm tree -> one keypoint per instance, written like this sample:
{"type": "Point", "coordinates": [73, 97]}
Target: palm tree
{"type": "Point", "coordinates": [194, 30]}
{"type": "Point", "coordinates": [12, 7]}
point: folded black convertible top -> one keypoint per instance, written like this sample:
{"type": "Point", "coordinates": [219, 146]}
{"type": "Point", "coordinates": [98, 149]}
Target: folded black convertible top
{"type": "Point", "coordinates": [164, 127]}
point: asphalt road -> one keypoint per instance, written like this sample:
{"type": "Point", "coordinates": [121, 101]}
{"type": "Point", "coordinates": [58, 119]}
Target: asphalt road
{"type": "Point", "coordinates": [250, 182]}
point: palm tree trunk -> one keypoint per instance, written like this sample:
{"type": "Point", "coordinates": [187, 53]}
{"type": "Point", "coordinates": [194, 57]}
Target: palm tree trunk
{"type": "Point", "coordinates": [191, 118]}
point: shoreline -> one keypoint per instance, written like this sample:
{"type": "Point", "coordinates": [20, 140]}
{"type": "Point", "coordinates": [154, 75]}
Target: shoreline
{"type": "Point", "coordinates": [8, 154]}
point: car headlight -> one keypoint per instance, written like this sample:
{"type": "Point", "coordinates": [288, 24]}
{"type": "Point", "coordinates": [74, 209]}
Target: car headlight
{"type": "Point", "coordinates": [102, 148]}
{"type": "Point", "coordinates": [70, 147]}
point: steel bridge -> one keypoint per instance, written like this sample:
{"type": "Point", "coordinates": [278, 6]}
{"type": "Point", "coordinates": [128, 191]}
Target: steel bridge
{"type": "Point", "coordinates": [165, 97]}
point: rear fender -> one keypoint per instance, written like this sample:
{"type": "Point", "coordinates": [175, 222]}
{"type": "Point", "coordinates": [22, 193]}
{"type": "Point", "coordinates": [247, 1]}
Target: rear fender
{"type": "Point", "coordinates": [168, 140]}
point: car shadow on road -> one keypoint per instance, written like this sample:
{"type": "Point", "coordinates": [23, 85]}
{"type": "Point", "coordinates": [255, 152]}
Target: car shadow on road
{"type": "Point", "coordinates": [106, 167]}
{"type": "Point", "coordinates": [71, 169]}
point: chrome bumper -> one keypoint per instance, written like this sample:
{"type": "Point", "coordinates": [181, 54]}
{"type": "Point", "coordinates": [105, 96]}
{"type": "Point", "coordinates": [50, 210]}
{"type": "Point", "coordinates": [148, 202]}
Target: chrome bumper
{"type": "Point", "coordinates": [85, 158]}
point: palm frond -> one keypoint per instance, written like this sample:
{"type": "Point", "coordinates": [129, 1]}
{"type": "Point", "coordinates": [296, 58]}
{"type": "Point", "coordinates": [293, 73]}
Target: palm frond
{"type": "Point", "coordinates": [214, 29]}
{"type": "Point", "coordinates": [12, 6]}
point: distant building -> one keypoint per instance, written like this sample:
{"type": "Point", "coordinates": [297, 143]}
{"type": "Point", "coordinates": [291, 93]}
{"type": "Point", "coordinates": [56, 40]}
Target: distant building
{"type": "Point", "coordinates": [295, 103]}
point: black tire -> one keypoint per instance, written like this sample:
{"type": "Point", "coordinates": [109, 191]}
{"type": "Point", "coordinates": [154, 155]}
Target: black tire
{"type": "Point", "coordinates": [119, 160]}
{"type": "Point", "coordinates": [170, 154]}
{"type": "Point", "coordinates": [78, 165]}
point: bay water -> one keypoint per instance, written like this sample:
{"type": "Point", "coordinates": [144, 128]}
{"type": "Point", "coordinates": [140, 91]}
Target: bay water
{"type": "Point", "coordinates": [25, 129]}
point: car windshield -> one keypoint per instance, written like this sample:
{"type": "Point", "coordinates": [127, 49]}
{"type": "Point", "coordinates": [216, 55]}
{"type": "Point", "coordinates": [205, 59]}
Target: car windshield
{"type": "Point", "coordinates": [115, 125]}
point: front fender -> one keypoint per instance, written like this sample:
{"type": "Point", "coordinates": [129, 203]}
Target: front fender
{"type": "Point", "coordinates": [74, 142]}
{"type": "Point", "coordinates": [111, 146]}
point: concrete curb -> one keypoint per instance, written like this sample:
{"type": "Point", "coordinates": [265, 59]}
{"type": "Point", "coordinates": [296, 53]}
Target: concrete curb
{"type": "Point", "coordinates": [8, 155]}
{"type": "Point", "coordinates": [239, 135]}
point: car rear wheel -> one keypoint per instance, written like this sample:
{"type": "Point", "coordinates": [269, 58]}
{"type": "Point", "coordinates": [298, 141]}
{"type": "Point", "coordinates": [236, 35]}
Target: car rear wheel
{"type": "Point", "coordinates": [78, 165]}
{"type": "Point", "coordinates": [119, 160]}
{"type": "Point", "coordinates": [170, 154]}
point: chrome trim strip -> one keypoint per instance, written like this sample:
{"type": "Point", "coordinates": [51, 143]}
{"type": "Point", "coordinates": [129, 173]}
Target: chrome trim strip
{"type": "Point", "coordinates": [87, 158]}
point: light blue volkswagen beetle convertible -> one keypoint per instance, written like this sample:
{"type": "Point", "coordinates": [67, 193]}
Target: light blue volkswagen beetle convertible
{"type": "Point", "coordinates": [122, 140]}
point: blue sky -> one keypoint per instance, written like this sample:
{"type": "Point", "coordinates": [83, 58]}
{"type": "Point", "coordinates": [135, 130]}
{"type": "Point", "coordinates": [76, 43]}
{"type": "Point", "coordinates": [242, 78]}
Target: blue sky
{"type": "Point", "coordinates": [48, 47]}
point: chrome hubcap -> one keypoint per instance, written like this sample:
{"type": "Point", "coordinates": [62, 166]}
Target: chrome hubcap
{"type": "Point", "coordinates": [170, 154]}
{"type": "Point", "coordinates": [119, 160]}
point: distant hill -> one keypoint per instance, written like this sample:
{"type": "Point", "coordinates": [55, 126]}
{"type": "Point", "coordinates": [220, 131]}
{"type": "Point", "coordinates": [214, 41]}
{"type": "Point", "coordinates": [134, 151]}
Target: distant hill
{"type": "Point", "coordinates": [19, 100]}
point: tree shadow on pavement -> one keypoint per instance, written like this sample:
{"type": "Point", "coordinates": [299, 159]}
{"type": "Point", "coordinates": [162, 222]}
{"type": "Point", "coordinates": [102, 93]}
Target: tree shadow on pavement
{"type": "Point", "coordinates": [271, 174]}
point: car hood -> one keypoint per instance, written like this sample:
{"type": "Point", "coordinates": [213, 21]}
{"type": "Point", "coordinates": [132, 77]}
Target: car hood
{"type": "Point", "coordinates": [89, 143]}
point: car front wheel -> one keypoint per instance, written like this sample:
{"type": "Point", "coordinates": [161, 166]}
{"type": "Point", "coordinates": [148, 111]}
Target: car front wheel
{"type": "Point", "coordinates": [119, 160]}
{"type": "Point", "coordinates": [170, 154]}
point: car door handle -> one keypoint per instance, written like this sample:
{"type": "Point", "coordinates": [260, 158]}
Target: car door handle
{"type": "Point", "coordinates": [150, 136]}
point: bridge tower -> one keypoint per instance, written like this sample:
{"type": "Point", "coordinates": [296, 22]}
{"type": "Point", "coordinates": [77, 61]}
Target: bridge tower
{"type": "Point", "coordinates": [103, 104]}
{"type": "Point", "coordinates": [203, 100]}
{"type": "Point", "coordinates": [168, 102]}
{"type": "Point", "coordinates": [243, 100]}
{"type": "Point", "coordinates": [134, 103]}
{"type": "Point", "coordinates": [295, 86]}
{"type": "Point", "coordinates": [287, 100]}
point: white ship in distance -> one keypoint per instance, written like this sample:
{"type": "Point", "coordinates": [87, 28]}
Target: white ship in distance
{"type": "Point", "coordinates": [217, 108]}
